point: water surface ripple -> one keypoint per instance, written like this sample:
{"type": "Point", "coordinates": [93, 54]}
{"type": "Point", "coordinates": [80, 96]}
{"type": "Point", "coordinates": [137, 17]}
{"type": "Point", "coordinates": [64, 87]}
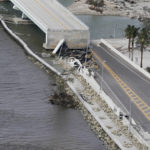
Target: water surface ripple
{"type": "Point", "coordinates": [27, 120]}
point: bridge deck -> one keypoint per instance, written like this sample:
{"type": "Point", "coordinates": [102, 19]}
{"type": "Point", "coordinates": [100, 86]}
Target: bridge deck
{"type": "Point", "coordinates": [50, 15]}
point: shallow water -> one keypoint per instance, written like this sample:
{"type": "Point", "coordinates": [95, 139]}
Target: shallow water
{"type": "Point", "coordinates": [66, 2]}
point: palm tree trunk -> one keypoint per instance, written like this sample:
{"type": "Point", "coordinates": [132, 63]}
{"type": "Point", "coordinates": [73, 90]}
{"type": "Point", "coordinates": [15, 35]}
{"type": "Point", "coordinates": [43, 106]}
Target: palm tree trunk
{"type": "Point", "coordinates": [141, 55]}
{"type": "Point", "coordinates": [132, 48]}
{"type": "Point", "coordinates": [129, 46]}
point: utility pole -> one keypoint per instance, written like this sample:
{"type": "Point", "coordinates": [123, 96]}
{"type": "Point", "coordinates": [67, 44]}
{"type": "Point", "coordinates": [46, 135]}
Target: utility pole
{"type": "Point", "coordinates": [130, 116]}
{"type": "Point", "coordinates": [102, 67]}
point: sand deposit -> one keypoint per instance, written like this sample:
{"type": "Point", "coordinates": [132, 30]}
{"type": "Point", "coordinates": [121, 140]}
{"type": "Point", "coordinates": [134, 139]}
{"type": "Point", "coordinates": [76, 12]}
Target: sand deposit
{"type": "Point", "coordinates": [135, 9]}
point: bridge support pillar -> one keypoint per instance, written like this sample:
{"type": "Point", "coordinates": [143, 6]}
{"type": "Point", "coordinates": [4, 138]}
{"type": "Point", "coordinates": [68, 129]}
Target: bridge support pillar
{"type": "Point", "coordinates": [76, 39]}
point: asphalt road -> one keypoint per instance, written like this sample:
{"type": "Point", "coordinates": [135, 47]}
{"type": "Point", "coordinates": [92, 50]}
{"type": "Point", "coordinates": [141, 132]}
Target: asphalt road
{"type": "Point", "coordinates": [127, 84]}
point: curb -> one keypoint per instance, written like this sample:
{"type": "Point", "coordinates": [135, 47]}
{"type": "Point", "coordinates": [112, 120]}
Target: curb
{"type": "Point", "coordinates": [145, 73]}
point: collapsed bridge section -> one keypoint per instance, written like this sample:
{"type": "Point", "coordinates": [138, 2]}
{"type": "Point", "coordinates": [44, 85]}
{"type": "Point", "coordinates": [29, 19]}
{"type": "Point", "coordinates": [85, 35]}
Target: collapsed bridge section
{"type": "Point", "coordinates": [56, 22]}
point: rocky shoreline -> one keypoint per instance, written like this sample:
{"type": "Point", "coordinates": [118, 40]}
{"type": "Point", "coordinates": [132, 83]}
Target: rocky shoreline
{"type": "Point", "coordinates": [134, 9]}
{"type": "Point", "coordinates": [75, 103]}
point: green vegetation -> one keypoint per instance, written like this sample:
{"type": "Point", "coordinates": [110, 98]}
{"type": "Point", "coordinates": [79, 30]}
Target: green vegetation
{"type": "Point", "coordinates": [96, 3]}
{"type": "Point", "coordinates": [142, 38]}
{"type": "Point", "coordinates": [131, 33]}
{"type": "Point", "coordinates": [134, 34]}
{"type": "Point", "coordinates": [128, 36]}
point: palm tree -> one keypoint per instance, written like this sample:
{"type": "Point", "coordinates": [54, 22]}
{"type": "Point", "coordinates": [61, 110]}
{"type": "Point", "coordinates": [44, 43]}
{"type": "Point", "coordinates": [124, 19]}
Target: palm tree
{"type": "Point", "coordinates": [143, 40]}
{"type": "Point", "coordinates": [128, 35]}
{"type": "Point", "coordinates": [134, 33]}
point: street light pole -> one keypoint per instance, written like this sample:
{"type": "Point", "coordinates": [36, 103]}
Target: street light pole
{"type": "Point", "coordinates": [130, 114]}
{"type": "Point", "coordinates": [102, 67]}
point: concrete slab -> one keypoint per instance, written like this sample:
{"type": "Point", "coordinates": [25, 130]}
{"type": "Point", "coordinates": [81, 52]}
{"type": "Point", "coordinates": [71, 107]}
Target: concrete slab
{"type": "Point", "coordinates": [56, 21]}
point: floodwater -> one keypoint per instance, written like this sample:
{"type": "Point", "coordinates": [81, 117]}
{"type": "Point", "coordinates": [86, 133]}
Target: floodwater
{"type": "Point", "coordinates": [27, 120]}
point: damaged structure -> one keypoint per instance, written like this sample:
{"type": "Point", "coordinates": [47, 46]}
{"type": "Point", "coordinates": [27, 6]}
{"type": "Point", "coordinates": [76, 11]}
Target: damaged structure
{"type": "Point", "coordinates": [56, 22]}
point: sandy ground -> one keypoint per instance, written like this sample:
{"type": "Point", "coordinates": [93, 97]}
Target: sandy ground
{"type": "Point", "coordinates": [122, 46]}
{"type": "Point", "coordinates": [140, 9]}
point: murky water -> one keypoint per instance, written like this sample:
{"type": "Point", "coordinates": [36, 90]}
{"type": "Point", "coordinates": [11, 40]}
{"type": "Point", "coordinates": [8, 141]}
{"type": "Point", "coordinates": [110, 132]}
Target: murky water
{"type": "Point", "coordinates": [105, 26]}
{"type": "Point", "coordinates": [66, 3]}
{"type": "Point", "coordinates": [27, 120]}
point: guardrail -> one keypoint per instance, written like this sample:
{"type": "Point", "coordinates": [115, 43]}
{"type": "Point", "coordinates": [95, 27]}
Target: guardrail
{"type": "Point", "coordinates": [125, 58]}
